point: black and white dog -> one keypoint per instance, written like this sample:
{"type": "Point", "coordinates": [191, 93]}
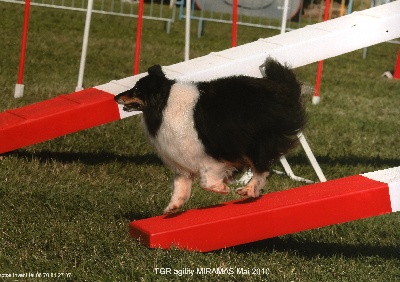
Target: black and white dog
{"type": "Point", "coordinates": [211, 129]}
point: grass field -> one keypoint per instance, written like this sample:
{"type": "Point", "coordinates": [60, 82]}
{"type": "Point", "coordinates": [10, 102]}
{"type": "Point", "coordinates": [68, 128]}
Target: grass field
{"type": "Point", "coordinates": [65, 204]}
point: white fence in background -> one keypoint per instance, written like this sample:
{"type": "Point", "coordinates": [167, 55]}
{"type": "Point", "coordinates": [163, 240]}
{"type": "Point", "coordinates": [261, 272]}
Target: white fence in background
{"type": "Point", "coordinates": [154, 10]}
{"type": "Point", "coordinates": [268, 13]}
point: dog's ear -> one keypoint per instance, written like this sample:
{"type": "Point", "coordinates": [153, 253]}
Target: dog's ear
{"type": "Point", "coordinates": [156, 71]}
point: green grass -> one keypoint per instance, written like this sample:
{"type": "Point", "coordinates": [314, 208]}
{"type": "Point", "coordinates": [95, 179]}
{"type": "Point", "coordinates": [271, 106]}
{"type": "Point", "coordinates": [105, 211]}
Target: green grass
{"type": "Point", "coordinates": [65, 204]}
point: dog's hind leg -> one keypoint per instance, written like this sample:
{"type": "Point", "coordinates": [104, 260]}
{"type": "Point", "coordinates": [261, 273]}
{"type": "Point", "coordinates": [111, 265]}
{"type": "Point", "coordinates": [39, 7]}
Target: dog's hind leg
{"type": "Point", "coordinates": [180, 194]}
{"type": "Point", "coordinates": [253, 188]}
{"type": "Point", "coordinates": [213, 177]}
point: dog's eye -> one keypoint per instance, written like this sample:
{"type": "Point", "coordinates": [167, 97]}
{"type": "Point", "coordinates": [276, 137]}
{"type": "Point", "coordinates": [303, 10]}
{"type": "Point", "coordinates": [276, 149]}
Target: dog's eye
{"type": "Point", "coordinates": [136, 92]}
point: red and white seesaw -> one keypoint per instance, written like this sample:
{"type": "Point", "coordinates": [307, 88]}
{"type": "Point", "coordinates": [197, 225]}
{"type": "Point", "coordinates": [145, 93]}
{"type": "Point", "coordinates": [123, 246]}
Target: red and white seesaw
{"type": "Point", "coordinates": [274, 214]}
{"type": "Point", "coordinates": [237, 222]}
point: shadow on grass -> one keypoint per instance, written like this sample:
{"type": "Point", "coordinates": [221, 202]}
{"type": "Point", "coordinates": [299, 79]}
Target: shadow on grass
{"type": "Point", "coordinates": [133, 215]}
{"type": "Point", "coordinates": [348, 160]}
{"type": "Point", "coordinates": [94, 158]}
{"type": "Point", "coordinates": [319, 249]}
{"type": "Point", "coordinates": [87, 158]}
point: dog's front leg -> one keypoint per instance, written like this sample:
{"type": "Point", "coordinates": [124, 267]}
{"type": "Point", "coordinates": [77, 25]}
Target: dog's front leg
{"type": "Point", "coordinates": [180, 194]}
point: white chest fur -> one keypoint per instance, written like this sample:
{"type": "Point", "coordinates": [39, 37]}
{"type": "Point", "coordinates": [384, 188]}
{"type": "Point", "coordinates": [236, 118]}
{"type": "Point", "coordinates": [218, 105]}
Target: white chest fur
{"type": "Point", "coordinates": [177, 141]}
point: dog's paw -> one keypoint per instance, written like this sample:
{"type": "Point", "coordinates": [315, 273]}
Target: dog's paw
{"type": "Point", "coordinates": [221, 188]}
{"type": "Point", "coordinates": [248, 191]}
{"type": "Point", "coordinates": [171, 208]}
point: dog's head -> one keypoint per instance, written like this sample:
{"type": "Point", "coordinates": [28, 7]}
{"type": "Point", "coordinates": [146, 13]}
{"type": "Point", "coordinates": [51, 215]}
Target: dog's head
{"type": "Point", "coordinates": [148, 91]}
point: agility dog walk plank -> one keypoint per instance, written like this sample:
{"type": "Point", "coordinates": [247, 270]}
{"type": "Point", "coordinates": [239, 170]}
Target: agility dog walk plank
{"type": "Point", "coordinates": [63, 115]}
{"type": "Point", "coordinates": [56, 117]}
{"type": "Point", "coordinates": [274, 214]}
{"type": "Point", "coordinates": [298, 47]}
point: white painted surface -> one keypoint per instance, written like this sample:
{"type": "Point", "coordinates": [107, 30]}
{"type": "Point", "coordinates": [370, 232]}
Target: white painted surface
{"type": "Point", "coordinates": [394, 192]}
{"type": "Point", "coordinates": [391, 176]}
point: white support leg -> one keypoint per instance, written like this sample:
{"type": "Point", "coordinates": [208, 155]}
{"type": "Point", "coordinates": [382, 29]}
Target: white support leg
{"type": "Point", "coordinates": [19, 91]}
{"type": "Point", "coordinates": [311, 157]}
{"type": "Point", "coordinates": [79, 85]}
{"type": "Point", "coordinates": [289, 172]}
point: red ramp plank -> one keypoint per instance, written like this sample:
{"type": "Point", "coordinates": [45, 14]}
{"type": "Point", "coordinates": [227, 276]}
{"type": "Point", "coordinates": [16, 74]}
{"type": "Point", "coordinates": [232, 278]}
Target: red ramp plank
{"type": "Point", "coordinates": [271, 215]}
{"type": "Point", "coordinates": [56, 117]}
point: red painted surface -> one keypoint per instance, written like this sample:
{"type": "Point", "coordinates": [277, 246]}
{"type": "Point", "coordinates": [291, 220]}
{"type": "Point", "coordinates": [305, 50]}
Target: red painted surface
{"type": "Point", "coordinates": [56, 117]}
{"type": "Point", "coordinates": [24, 39]}
{"type": "Point", "coordinates": [271, 215]}
{"type": "Point", "coordinates": [138, 38]}
{"type": "Point", "coordinates": [321, 63]}
{"type": "Point", "coordinates": [396, 74]}
{"type": "Point", "coordinates": [234, 22]}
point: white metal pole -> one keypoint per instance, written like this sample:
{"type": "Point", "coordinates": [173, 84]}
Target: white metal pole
{"type": "Point", "coordinates": [284, 16]}
{"type": "Point", "coordinates": [79, 86]}
{"type": "Point", "coordinates": [290, 172]}
{"type": "Point", "coordinates": [311, 157]}
{"type": "Point", "coordinates": [187, 29]}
